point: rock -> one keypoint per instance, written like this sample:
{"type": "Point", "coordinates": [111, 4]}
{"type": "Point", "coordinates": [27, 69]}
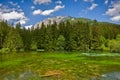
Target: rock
{"type": "Point", "coordinates": [50, 21]}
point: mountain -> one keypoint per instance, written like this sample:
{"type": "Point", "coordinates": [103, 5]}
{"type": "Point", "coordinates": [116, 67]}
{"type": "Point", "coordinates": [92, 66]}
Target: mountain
{"type": "Point", "coordinates": [57, 19]}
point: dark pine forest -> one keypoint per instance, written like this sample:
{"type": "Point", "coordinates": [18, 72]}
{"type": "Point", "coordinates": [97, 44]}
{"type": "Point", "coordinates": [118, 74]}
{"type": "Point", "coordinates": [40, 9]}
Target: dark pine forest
{"type": "Point", "coordinates": [78, 35]}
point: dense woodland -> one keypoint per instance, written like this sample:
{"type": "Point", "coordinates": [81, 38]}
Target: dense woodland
{"type": "Point", "coordinates": [66, 36]}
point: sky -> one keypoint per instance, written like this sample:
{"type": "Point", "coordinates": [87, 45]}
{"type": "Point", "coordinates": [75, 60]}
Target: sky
{"type": "Point", "coordinates": [30, 12]}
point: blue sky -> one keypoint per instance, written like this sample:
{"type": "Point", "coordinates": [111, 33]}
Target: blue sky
{"type": "Point", "coordinates": [29, 12]}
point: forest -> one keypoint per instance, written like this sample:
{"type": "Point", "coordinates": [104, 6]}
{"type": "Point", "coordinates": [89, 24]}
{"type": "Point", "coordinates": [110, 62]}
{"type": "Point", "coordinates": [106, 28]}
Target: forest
{"type": "Point", "coordinates": [65, 36]}
{"type": "Point", "coordinates": [70, 50]}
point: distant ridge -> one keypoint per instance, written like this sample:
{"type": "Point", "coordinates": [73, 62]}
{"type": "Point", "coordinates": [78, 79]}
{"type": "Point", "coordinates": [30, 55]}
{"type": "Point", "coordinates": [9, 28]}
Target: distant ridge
{"type": "Point", "coordinates": [59, 19]}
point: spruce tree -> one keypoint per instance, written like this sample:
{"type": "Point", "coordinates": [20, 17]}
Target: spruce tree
{"type": "Point", "coordinates": [13, 40]}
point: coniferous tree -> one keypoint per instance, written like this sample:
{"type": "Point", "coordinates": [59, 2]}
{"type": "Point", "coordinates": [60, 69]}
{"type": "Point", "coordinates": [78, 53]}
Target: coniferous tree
{"type": "Point", "coordinates": [13, 40]}
{"type": "Point", "coordinates": [48, 39]}
{"type": "Point", "coordinates": [60, 44]}
{"type": "Point", "coordinates": [41, 38]}
{"type": "Point", "coordinates": [55, 34]}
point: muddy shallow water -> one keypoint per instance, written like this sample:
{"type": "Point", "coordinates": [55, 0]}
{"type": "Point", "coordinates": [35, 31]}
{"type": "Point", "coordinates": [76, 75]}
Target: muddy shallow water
{"type": "Point", "coordinates": [29, 75]}
{"type": "Point", "coordinates": [109, 76]}
{"type": "Point", "coordinates": [85, 66]}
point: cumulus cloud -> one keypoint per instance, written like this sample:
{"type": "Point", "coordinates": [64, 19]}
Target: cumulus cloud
{"type": "Point", "coordinates": [93, 6]}
{"type": "Point", "coordinates": [88, 0]}
{"type": "Point", "coordinates": [22, 21]}
{"type": "Point", "coordinates": [22, 1]}
{"type": "Point", "coordinates": [12, 3]}
{"type": "Point", "coordinates": [106, 1]}
{"type": "Point", "coordinates": [36, 12]}
{"type": "Point", "coordinates": [116, 18]}
{"type": "Point", "coordinates": [58, 2]}
{"type": "Point", "coordinates": [28, 26]}
{"type": "Point", "coordinates": [18, 6]}
{"type": "Point", "coordinates": [58, 7]}
{"type": "Point", "coordinates": [75, 0]}
{"type": "Point", "coordinates": [32, 7]}
{"type": "Point", "coordinates": [12, 14]}
{"type": "Point", "coordinates": [42, 1]}
{"type": "Point", "coordinates": [47, 12]}
{"type": "Point", "coordinates": [0, 4]}
{"type": "Point", "coordinates": [114, 11]}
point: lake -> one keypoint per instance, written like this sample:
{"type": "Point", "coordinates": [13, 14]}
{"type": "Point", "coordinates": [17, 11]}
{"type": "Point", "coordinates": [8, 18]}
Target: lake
{"type": "Point", "coordinates": [59, 66]}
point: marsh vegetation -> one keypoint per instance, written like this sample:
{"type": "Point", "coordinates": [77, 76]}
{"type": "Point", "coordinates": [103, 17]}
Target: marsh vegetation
{"type": "Point", "coordinates": [58, 65]}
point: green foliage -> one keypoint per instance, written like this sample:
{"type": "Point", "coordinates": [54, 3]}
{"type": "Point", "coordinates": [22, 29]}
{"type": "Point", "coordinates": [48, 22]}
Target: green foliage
{"type": "Point", "coordinates": [48, 39]}
{"type": "Point", "coordinates": [118, 37]}
{"type": "Point", "coordinates": [69, 65]}
{"type": "Point", "coordinates": [114, 44]}
{"type": "Point", "coordinates": [71, 35]}
{"type": "Point", "coordinates": [5, 50]}
{"type": "Point", "coordinates": [4, 28]}
{"type": "Point", "coordinates": [33, 46]}
{"type": "Point", "coordinates": [60, 44]}
{"type": "Point", "coordinates": [26, 36]}
{"type": "Point", "coordinates": [13, 40]}
{"type": "Point", "coordinates": [41, 37]}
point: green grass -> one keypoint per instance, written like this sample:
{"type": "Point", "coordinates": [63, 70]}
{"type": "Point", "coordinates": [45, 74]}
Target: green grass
{"type": "Point", "coordinates": [58, 65]}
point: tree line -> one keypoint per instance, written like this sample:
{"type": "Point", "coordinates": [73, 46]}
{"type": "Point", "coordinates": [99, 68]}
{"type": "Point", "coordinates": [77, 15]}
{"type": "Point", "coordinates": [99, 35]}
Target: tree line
{"type": "Point", "coordinates": [65, 36]}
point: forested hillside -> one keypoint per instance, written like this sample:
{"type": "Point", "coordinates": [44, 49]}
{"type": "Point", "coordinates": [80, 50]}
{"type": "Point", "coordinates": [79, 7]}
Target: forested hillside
{"type": "Point", "coordinates": [78, 35]}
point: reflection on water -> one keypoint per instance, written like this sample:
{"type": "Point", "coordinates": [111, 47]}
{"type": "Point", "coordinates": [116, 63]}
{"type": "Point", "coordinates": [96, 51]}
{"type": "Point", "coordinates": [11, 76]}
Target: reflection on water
{"type": "Point", "coordinates": [29, 75]}
{"type": "Point", "coordinates": [96, 54]}
{"type": "Point", "coordinates": [110, 76]}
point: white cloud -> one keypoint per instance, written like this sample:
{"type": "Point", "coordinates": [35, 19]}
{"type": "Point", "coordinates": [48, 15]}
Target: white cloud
{"type": "Point", "coordinates": [22, 1]}
{"type": "Point", "coordinates": [48, 12]}
{"type": "Point", "coordinates": [106, 1]}
{"type": "Point", "coordinates": [42, 1]}
{"type": "Point", "coordinates": [22, 21]}
{"type": "Point", "coordinates": [88, 0]}
{"type": "Point", "coordinates": [36, 12]}
{"type": "Point", "coordinates": [114, 11]}
{"type": "Point", "coordinates": [32, 7]}
{"type": "Point", "coordinates": [28, 26]}
{"type": "Point", "coordinates": [0, 4]}
{"type": "Point", "coordinates": [116, 18]}
{"type": "Point", "coordinates": [20, 10]}
{"type": "Point", "coordinates": [58, 2]}
{"type": "Point", "coordinates": [58, 7]}
{"type": "Point", "coordinates": [75, 0]}
{"type": "Point", "coordinates": [18, 6]}
{"type": "Point", "coordinates": [12, 3]}
{"type": "Point", "coordinates": [93, 6]}
{"type": "Point", "coordinates": [13, 14]}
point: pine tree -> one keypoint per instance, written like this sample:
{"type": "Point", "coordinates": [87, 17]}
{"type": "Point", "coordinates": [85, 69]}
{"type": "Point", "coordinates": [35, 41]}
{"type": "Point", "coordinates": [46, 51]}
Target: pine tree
{"type": "Point", "coordinates": [60, 44]}
{"type": "Point", "coordinates": [4, 28]}
{"type": "Point", "coordinates": [95, 35]}
{"type": "Point", "coordinates": [13, 40]}
{"type": "Point", "coordinates": [26, 38]}
{"type": "Point", "coordinates": [41, 37]}
{"type": "Point", "coordinates": [69, 37]}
